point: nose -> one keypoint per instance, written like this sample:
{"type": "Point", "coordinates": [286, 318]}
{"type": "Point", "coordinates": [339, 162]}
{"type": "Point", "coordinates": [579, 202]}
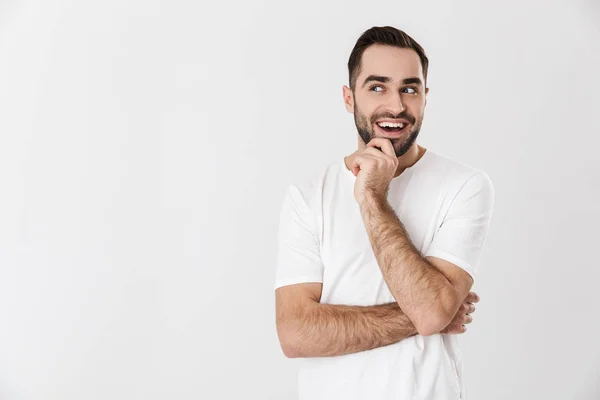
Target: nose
{"type": "Point", "coordinates": [395, 104]}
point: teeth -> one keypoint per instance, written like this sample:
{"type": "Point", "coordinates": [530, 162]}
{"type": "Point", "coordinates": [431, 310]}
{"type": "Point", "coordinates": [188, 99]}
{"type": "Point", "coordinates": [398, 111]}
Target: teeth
{"type": "Point", "coordinates": [391, 125]}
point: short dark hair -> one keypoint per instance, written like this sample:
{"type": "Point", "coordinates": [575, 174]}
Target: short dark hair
{"type": "Point", "coordinates": [387, 35]}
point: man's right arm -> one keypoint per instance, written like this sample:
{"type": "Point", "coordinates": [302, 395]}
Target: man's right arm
{"type": "Point", "coordinates": [307, 328]}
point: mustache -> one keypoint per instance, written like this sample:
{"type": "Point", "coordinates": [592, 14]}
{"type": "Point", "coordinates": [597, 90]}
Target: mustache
{"type": "Point", "coordinates": [402, 115]}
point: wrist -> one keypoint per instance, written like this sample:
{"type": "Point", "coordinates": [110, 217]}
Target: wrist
{"type": "Point", "coordinates": [373, 201]}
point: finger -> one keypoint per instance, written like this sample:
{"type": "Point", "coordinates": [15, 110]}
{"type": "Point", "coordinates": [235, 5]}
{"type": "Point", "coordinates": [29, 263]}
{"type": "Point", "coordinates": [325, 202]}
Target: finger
{"type": "Point", "coordinates": [357, 162]}
{"type": "Point", "coordinates": [472, 297]}
{"type": "Point", "coordinates": [361, 162]}
{"type": "Point", "coordinates": [378, 155]}
{"type": "Point", "coordinates": [363, 158]}
{"type": "Point", "coordinates": [467, 308]}
{"type": "Point", "coordinates": [384, 144]}
{"type": "Point", "coordinates": [355, 165]}
{"type": "Point", "coordinates": [375, 152]}
{"type": "Point", "coordinates": [456, 329]}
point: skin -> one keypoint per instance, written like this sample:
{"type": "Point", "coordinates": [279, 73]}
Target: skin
{"type": "Point", "coordinates": [433, 295]}
{"type": "Point", "coordinates": [308, 328]}
{"type": "Point", "coordinates": [372, 100]}
{"type": "Point", "coordinates": [429, 290]}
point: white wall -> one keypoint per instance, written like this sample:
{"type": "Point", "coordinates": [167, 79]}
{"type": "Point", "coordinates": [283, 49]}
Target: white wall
{"type": "Point", "coordinates": [145, 147]}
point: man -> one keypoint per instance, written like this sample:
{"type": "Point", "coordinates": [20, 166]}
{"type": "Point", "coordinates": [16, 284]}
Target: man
{"type": "Point", "coordinates": [377, 254]}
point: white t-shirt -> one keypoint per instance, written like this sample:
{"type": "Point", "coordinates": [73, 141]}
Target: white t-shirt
{"type": "Point", "coordinates": [446, 207]}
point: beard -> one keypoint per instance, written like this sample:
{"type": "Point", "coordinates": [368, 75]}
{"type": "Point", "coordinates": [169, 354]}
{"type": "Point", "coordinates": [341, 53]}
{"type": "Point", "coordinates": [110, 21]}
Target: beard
{"type": "Point", "coordinates": [365, 127]}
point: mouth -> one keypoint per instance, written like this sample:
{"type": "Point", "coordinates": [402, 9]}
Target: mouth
{"type": "Point", "coordinates": [392, 127]}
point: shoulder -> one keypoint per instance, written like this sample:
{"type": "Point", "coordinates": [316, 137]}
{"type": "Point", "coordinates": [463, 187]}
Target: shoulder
{"type": "Point", "coordinates": [465, 186]}
{"type": "Point", "coordinates": [308, 189]}
{"type": "Point", "coordinates": [458, 174]}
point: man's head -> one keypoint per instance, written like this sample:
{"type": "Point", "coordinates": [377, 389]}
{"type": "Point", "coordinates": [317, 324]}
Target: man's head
{"type": "Point", "coordinates": [387, 94]}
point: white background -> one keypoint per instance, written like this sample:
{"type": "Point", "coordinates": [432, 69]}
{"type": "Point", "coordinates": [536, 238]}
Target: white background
{"type": "Point", "coordinates": [145, 147]}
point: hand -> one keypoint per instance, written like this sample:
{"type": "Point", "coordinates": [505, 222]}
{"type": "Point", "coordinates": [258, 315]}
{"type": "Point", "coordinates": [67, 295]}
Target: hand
{"type": "Point", "coordinates": [374, 169]}
{"type": "Point", "coordinates": [463, 316]}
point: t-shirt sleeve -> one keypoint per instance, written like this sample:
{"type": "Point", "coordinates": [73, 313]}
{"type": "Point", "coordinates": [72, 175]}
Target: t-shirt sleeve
{"type": "Point", "coordinates": [462, 233]}
{"type": "Point", "coordinates": [298, 249]}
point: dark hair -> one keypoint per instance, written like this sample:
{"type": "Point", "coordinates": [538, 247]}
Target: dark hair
{"type": "Point", "coordinates": [386, 35]}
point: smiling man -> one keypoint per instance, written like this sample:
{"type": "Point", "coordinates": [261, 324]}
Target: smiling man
{"type": "Point", "coordinates": [377, 255]}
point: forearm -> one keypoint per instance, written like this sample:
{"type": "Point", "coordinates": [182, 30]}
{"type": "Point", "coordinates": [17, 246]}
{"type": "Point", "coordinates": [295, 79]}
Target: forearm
{"type": "Point", "coordinates": [421, 290]}
{"type": "Point", "coordinates": [323, 330]}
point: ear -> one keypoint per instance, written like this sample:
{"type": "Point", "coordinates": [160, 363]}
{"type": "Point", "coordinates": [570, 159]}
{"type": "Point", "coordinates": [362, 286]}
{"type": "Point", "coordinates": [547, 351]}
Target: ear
{"type": "Point", "coordinates": [348, 99]}
{"type": "Point", "coordinates": [426, 93]}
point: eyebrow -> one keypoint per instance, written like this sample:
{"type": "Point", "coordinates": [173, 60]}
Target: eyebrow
{"type": "Point", "coordinates": [385, 79]}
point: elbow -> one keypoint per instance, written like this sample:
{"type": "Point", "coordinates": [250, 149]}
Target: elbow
{"type": "Point", "coordinates": [290, 352]}
{"type": "Point", "coordinates": [289, 341]}
{"type": "Point", "coordinates": [431, 325]}
{"type": "Point", "coordinates": [425, 330]}
{"type": "Point", "coordinates": [434, 321]}
{"type": "Point", "coordinates": [290, 349]}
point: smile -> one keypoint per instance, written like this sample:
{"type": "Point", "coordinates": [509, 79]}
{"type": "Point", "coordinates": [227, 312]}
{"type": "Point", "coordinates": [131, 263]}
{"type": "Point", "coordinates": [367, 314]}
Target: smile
{"type": "Point", "coordinates": [393, 128]}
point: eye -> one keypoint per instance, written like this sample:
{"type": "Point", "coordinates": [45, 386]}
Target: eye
{"type": "Point", "coordinates": [408, 90]}
{"type": "Point", "coordinates": [374, 87]}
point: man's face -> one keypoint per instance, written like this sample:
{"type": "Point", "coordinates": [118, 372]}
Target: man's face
{"type": "Point", "coordinates": [389, 97]}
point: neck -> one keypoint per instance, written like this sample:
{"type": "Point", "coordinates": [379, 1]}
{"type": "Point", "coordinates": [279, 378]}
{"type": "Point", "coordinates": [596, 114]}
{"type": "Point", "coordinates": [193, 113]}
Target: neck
{"type": "Point", "coordinates": [409, 158]}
